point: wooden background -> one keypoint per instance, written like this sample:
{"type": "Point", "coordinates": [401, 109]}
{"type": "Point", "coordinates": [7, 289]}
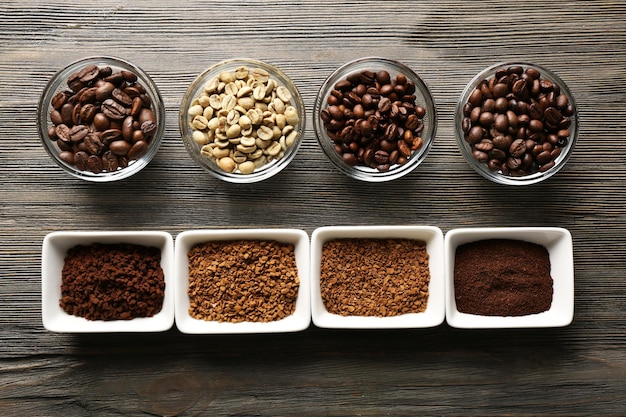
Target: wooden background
{"type": "Point", "coordinates": [577, 370]}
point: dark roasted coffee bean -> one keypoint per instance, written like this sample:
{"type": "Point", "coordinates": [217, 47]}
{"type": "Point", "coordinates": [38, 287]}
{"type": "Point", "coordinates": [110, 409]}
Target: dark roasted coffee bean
{"type": "Point", "coordinates": [115, 78]}
{"type": "Point", "coordinates": [55, 117]}
{"type": "Point", "coordinates": [74, 82]}
{"type": "Point", "coordinates": [104, 91]}
{"type": "Point", "coordinates": [78, 133]}
{"type": "Point", "coordinates": [80, 160]}
{"type": "Point", "coordinates": [111, 135]}
{"type": "Point", "coordinates": [67, 110]}
{"type": "Point", "coordinates": [518, 148]}
{"type": "Point", "coordinates": [381, 157]}
{"type": "Point", "coordinates": [67, 157]}
{"type": "Point", "coordinates": [121, 97]}
{"type": "Point", "coordinates": [475, 135]}
{"type": "Point", "coordinates": [89, 73]}
{"type": "Point", "coordinates": [59, 100]}
{"type": "Point", "coordinates": [93, 144]}
{"type": "Point", "coordinates": [148, 128]}
{"type": "Point", "coordinates": [113, 110]}
{"type": "Point", "coordinates": [110, 162]}
{"type": "Point", "coordinates": [119, 147]}
{"type": "Point", "coordinates": [94, 164]}
{"type": "Point", "coordinates": [138, 150]}
{"type": "Point", "coordinates": [136, 106]}
{"type": "Point", "coordinates": [87, 113]}
{"type": "Point", "coordinates": [101, 122]}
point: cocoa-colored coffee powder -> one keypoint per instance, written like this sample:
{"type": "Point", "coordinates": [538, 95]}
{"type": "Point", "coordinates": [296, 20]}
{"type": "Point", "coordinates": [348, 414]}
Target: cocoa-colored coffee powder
{"type": "Point", "coordinates": [502, 277]}
{"type": "Point", "coordinates": [112, 281]}
{"type": "Point", "coordinates": [242, 280]}
{"type": "Point", "coordinates": [374, 277]}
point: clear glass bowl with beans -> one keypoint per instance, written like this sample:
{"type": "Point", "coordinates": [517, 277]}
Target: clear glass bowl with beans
{"type": "Point", "coordinates": [101, 119]}
{"type": "Point", "coordinates": [375, 119]}
{"type": "Point", "coordinates": [242, 120]}
{"type": "Point", "coordinates": [516, 123]}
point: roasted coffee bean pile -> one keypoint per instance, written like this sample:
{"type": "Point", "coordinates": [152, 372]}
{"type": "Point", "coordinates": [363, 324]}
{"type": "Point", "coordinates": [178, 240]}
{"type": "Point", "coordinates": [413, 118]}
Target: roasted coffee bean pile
{"type": "Point", "coordinates": [104, 121]}
{"type": "Point", "coordinates": [517, 122]}
{"type": "Point", "coordinates": [242, 280]}
{"type": "Point", "coordinates": [373, 120]}
{"type": "Point", "coordinates": [374, 277]}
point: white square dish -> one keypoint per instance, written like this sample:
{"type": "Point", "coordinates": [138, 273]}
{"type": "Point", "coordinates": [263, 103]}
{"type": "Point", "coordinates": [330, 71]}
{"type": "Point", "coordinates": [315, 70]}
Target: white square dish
{"type": "Point", "coordinates": [557, 241]}
{"type": "Point", "coordinates": [54, 250]}
{"type": "Point", "coordinates": [435, 311]}
{"type": "Point", "coordinates": [299, 320]}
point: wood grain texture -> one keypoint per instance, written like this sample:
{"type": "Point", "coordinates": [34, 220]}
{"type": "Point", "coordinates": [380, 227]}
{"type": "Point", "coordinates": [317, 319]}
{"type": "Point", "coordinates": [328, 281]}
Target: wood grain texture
{"type": "Point", "coordinates": [578, 370]}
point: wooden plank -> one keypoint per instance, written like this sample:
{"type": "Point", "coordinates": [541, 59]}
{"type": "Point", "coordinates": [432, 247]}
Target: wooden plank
{"type": "Point", "coordinates": [578, 370]}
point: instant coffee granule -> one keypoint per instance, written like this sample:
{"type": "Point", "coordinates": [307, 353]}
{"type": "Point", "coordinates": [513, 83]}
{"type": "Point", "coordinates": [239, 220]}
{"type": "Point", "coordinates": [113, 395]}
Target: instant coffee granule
{"type": "Point", "coordinates": [502, 277]}
{"type": "Point", "coordinates": [112, 281]}
{"type": "Point", "coordinates": [374, 277]}
{"type": "Point", "coordinates": [242, 280]}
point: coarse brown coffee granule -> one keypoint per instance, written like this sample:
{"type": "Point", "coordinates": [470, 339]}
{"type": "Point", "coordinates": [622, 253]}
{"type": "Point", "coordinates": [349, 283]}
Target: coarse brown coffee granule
{"type": "Point", "coordinates": [242, 280]}
{"type": "Point", "coordinates": [502, 277]}
{"type": "Point", "coordinates": [374, 277]}
{"type": "Point", "coordinates": [112, 281]}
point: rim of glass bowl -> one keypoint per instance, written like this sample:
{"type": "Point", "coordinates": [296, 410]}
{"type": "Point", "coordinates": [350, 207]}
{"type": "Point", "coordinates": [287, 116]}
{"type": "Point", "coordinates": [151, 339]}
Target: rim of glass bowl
{"type": "Point", "coordinates": [481, 168]}
{"type": "Point", "coordinates": [59, 83]}
{"type": "Point", "coordinates": [424, 98]}
{"type": "Point", "coordinates": [208, 164]}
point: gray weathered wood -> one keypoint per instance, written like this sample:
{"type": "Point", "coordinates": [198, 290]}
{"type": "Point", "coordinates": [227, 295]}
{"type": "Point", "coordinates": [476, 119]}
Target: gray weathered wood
{"type": "Point", "coordinates": [578, 370]}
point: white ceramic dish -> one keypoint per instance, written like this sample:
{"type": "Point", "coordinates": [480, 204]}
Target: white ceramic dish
{"type": "Point", "coordinates": [435, 310]}
{"type": "Point", "coordinates": [557, 241]}
{"type": "Point", "coordinates": [299, 320]}
{"type": "Point", "coordinates": [54, 250]}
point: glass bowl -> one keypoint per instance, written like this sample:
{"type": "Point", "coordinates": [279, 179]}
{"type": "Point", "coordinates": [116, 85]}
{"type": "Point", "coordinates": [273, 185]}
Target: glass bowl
{"type": "Point", "coordinates": [347, 133]}
{"type": "Point", "coordinates": [82, 112]}
{"type": "Point", "coordinates": [516, 123]}
{"type": "Point", "coordinates": [242, 120]}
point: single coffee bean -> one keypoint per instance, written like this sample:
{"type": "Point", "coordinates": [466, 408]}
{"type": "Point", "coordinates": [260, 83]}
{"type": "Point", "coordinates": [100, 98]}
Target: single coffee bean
{"type": "Point", "coordinates": [66, 113]}
{"type": "Point", "coordinates": [138, 150]}
{"type": "Point", "coordinates": [517, 148]}
{"type": "Point", "coordinates": [110, 162]}
{"type": "Point", "coordinates": [104, 91]}
{"type": "Point", "coordinates": [93, 144]}
{"type": "Point", "coordinates": [120, 147]}
{"type": "Point", "coordinates": [67, 157]}
{"type": "Point", "coordinates": [78, 133]}
{"type": "Point", "coordinates": [56, 118]}
{"type": "Point", "coordinates": [111, 135]}
{"type": "Point", "coordinates": [381, 157]}
{"type": "Point", "coordinates": [113, 110]}
{"type": "Point", "coordinates": [80, 160]}
{"type": "Point", "coordinates": [475, 135]}
{"type": "Point", "coordinates": [89, 73]}
{"type": "Point", "coordinates": [121, 97]}
{"type": "Point", "coordinates": [59, 100]}
{"type": "Point", "coordinates": [101, 122]}
{"type": "Point", "coordinates": [148, 128]}
{"type": "Point", "coordinates": [94, 164]}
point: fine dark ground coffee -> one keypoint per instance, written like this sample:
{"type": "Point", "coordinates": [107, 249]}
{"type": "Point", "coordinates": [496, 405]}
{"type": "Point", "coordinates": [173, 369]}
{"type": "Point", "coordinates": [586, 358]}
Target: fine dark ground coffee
{"type": "Point", "coordinates": [502, 277]}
